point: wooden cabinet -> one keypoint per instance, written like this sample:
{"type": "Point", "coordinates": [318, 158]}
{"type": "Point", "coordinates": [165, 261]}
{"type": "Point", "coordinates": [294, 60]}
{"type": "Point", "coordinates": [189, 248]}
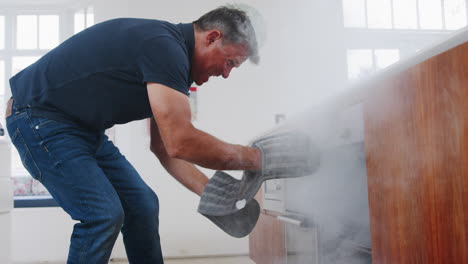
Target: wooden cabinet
{"type": "Point", "coordinates": [267, 240]}
{"type": "Point", "coordinates": [416, 144]}
{"type": "Point", "coordinates": [416, 137]}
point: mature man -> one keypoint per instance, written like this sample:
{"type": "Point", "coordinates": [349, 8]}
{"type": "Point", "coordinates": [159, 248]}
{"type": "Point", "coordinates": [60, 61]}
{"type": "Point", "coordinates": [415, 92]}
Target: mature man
{"type": "Point", "coordinates": [113, 73]}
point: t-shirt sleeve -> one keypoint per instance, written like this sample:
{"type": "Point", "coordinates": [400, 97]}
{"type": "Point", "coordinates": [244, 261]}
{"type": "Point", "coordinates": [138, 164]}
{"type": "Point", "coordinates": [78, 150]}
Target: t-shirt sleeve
{"type": "Point", "coordinates": [163, 60]}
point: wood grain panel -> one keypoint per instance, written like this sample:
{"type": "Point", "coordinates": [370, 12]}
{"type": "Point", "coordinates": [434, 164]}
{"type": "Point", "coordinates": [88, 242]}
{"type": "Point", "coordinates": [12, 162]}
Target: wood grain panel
{"type": "Point", "coordinates": [267, 240]}
{"type": "Point", "coordinates": [416, 137]}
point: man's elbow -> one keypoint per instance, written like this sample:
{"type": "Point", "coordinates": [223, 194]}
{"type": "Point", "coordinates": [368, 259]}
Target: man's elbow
{"type": "Point", "coordinates": [155, 150]}
{"type": "Point", "coordinates": [183, 149]}
{"type": "Point", "coordinates": [174, 152]}
{"type": "Point", "coordinates": [180, 145]}
{"type": "Point", "coordinates": [159, 150]}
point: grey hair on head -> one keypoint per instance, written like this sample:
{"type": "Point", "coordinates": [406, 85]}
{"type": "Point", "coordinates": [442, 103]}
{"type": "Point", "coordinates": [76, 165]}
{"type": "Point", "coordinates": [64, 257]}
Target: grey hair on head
{"type": "Point", "coordinates": [235, 26]}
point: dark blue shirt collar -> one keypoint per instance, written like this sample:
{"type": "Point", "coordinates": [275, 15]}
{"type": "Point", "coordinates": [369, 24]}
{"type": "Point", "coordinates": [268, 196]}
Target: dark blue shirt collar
{"type": "Point", "coordinates": [189, 36]}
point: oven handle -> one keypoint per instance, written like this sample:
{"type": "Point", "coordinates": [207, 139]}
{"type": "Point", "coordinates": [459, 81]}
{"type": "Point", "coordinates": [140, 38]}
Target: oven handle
{"type": "Point", "coordinates": [290, 220]}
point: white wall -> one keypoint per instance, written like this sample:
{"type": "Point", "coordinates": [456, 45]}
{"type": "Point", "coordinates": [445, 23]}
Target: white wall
{"type": "Point", "coordinates": [291, 75]}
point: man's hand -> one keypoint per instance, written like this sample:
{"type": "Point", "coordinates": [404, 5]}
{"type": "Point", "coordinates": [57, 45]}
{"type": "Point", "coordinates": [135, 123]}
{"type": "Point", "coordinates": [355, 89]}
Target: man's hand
{"type": "Point", "coordinates": [285, 155]}
{"type": "Point", "coordinates": [220, 195]}
{"type": "Point", "coordinates": [240, 223]}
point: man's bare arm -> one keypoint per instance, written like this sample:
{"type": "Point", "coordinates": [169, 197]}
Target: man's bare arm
{"type": "Point", "coordinates": [186, 173]}
{"type": "Point", "coordinates": [182, 140]}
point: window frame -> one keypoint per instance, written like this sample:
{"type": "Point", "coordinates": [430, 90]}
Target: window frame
{"type": "Point", "coordinates": [65, 14]}
{"type": "Point", "coordinates": [34, 201]}
{"type": "Point", "coordinates": [407, 41]}
{"type": "Point", "coordinates": [86, 11]}
{"type": "Point", "coordinates": [373, 56]}
{"type": "Point", "coordinates": [392, 17]}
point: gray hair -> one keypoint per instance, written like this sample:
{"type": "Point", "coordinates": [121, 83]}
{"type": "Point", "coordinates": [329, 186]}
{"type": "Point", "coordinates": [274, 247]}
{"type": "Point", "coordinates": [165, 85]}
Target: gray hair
{"type": "Point", "coordinates": [235, 26]}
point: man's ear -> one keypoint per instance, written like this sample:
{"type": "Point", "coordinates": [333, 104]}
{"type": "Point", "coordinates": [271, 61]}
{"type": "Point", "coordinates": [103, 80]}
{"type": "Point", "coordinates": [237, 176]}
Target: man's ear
{"type": "Point", "coordinates": [213, 36]}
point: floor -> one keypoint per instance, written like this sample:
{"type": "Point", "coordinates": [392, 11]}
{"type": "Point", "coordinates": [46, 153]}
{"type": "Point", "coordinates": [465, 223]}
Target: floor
{"type": "Point", "coordinates": [220, 260]}
{"type": "Point", "coordinates": [211, 260]}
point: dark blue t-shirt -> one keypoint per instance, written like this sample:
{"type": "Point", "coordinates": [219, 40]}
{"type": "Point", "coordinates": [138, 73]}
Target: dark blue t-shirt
{"type": "Point", "coordinates": [98, 77]}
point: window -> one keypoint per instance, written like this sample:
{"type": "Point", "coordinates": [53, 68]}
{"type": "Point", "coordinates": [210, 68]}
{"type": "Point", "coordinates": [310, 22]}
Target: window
{"type": "Point", "coordinates": [378, 33]}
{"type": "Point", "coordinates": [84, 18]}
{"type": "Point", "coordinates": [37, 32]}
{"type": "Point", "coordinates": [455, 13]}
{"type": "Point", "coordinates": [48, 31]}
{"type": "Point", "coordinates": [21, 62]}
{"type": "Point", "coordinates": [362, 62]}
{"type": "Point", "coordinates": [26, 32]}
{"type": "Point", "coordinates": [2, 32]}
{"type": "Point", "coordinates": [24, 184]}
{"type": "Point", "coordinates": [25, 36]}
{"type": "Point", "coordinates": [2, 83]}
{"type": "Point", "coordinates": [355, 13]}
{"type": "Point", "coordinates": [430, 14]}
{"type": "Point", "coordinates": [405, 14]}
{"type": "Point", "coordinates": [385, 57]}
{"type": "Point", "coordinates": [379, 13]}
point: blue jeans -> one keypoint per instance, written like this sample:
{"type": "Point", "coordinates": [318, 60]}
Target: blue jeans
{"type": "Point", "coordinates": [95, 184]}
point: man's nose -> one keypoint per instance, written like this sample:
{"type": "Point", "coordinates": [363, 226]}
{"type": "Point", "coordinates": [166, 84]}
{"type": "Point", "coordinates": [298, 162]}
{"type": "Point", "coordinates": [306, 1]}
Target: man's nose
{"type": "Point", "coordinates": [226, 72]}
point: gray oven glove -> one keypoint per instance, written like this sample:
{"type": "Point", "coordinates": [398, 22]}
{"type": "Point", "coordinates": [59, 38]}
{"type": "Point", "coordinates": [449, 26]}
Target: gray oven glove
{"type": "Point", "coordinates": [284, 155]}
{"type": "Point", "coordinates": [220, 195]}
{"type": "Point", "coordinates": [240, 223]}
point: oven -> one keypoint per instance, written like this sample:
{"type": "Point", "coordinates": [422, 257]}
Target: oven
{"type": "Point", "coordinates": [326, 215]}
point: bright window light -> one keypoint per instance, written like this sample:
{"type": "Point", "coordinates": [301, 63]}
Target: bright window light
{"type": "Point", "coordinates": [430, 14]}
{"type": "Point", "coordinates": [17, 169]}
{"type": "Point", "coordinates": [89, 17]}
{"type": "Point", "coordinates": [79, 21]}
{"type": "Point", "coordinates": [2, 32]}
{"type": "Point", "coordinates": [21, 62]}
{"type": "Point", "coordinates": [360, 63]}
{"type": "Point", "coordinates": [26, 32]}
{"type": "Point", "coordinates": [405, 14]}
{"type": "Point", "coordinates": [48, 31]}
{"type": "Point", "coordinates": [2, 80]}
{"type": "Point", "coordinates": [2, 91]}
{"type": "Point", "coordinates": [455, 14]}
{"type": "Point", "coordinates": [379, 14]}
{"type": "Point", "coordinates": [354, 13]}
{"type": "Point", "coordinates": [386, 57]}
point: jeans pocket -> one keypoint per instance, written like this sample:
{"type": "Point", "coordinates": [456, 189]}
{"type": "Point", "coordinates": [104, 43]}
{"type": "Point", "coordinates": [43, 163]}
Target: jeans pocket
{"type": "Point", "coordinates": [43, 122]}
{"type": "Point", "coordinates": [25, 154]}
{"type": "Point", "coordinates": [14, 117]}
